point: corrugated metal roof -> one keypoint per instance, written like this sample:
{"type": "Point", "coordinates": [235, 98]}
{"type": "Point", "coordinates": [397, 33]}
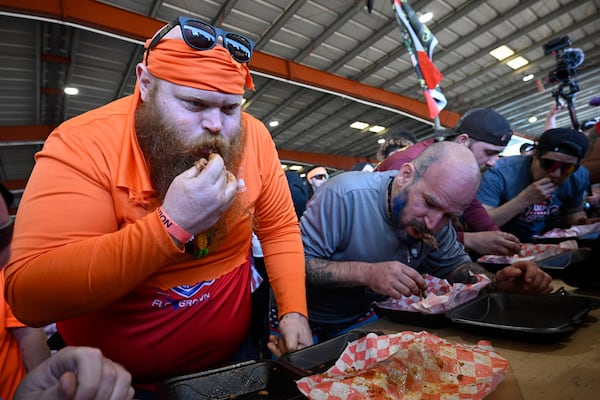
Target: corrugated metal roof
{"type": "Point", "coordinates": [40, 57]}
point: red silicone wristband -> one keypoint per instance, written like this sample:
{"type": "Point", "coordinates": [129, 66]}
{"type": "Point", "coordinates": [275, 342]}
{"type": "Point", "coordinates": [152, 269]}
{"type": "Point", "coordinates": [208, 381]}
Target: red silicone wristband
{"type": "Point", "coordinates": [175, 230]}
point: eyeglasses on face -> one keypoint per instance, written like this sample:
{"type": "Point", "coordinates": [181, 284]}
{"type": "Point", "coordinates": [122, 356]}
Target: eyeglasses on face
{"type": "Point", "coordinates": [551, 165]}
{"type": "Point", "coordinates": [320, 176]}
{"type": "Point", "coordinates": [202, 36]}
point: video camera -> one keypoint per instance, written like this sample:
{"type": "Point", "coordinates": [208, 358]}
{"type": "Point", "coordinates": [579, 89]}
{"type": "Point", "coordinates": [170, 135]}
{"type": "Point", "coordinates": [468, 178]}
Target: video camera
{"type": "Point", "coordinates": [567, 61]}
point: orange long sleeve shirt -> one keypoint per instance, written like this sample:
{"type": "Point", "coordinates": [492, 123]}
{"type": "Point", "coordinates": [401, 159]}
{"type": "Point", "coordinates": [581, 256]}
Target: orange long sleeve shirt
{"type": "Point", "coordinates": [12, 366]}
{"type": "Point", "coordinates": [86, 233]}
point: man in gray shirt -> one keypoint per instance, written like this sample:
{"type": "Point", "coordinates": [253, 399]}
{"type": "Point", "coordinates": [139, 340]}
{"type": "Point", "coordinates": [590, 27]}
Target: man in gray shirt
{"type": "Point", "coordinates": [369, 236]}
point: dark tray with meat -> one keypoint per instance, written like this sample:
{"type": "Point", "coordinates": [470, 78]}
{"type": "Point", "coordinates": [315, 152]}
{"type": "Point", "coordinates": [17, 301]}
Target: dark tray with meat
{"type": "Point", "coordinates": [251, 380]}
{"type": "Point", "coordinates": [320, 357]}
{"type": "Point", "coordinates": [415, 318]}
{"type": "Point", "coordinates": [554, 265]}
{"type": "Point", "coordinates": [537, 318]}
{"type": "Point", "coordinates": [587, 240]}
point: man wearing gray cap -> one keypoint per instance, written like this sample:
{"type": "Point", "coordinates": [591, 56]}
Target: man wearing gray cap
{"type": "Point", "coordinates": [527, 195]}
{"type": "Point", "coordinates": [485, 133]}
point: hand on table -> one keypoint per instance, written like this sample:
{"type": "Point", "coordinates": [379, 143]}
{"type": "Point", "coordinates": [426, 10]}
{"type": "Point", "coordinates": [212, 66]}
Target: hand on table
{"type": "Point", "coordinates": [587, 221]}
{"type": "Point", "coordinates": [523, 277]}
{"type": "Point", "coordinates": [295, 335]}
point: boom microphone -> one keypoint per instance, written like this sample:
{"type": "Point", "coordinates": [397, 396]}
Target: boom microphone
{"type": "Point", "coordinates": [573, 58]}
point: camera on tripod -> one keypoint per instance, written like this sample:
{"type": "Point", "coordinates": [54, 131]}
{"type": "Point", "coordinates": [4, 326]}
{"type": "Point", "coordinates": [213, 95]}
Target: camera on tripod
{"type": "Point", "coordinates": [567, 61]}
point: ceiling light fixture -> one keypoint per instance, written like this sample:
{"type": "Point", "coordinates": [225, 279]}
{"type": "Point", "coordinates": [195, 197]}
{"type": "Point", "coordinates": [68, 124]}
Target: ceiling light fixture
{"type": "Point", "coordinates": [517, 62]}
{"type": "Point", "coordinates": [500, 53]}
{"type": "Point", "coordinates": [377, 128]}
{"type": "Point", "coordinates": [71, 91]}
{"type": "Point", "coordinates": [528, 77]}
{"type": "Point", "coordinates": [424, 18]}
{"type": "Point", "coordinates": [381, 140]}
{"type": "Point", "coordinates": [532, 119]}
{"type": "Point", "coordinates": [273, 123]}
{"type": "Point", "coordinates": [359, 125]}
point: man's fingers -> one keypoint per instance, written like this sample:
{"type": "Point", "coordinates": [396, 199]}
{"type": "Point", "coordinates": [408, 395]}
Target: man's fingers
{"type": "Point", "coordinates": [290, 342]}
{"type": "Point", "coordinates": [68, 385]}
{"type": "Point", "coordinates": [276, 345]}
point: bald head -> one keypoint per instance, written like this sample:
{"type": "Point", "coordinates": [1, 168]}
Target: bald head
{"type": "Point", "coordinates": [446, 168]}
{"type": "Point", "coordinates": [448, 155]}
{"type": "Point", "coordinates": [451, 164]}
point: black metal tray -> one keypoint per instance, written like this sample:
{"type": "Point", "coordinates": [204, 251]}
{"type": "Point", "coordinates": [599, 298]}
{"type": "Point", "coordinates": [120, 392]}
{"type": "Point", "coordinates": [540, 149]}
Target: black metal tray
{"type": "Point", "coordinates": [433, 321]}
{"type": "Point", "coordinates": [537, 318]}
{"type": "Point", "coordinates": [555, 265]}
{"type": "Point", "coordinates": [250, 380]}
{"type": "Point", "coordinates": [586, 240]}
{"type": "Point", "coordinates": [586, 273]}
{"type": "Point", "coordinates": [559, 262]}
{"type": "Point", "coordinates": [320, 357]}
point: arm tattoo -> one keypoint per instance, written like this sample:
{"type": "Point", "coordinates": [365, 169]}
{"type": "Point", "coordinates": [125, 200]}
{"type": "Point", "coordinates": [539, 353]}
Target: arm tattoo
{"type": "Point", "coordinates": [324, 272]}
{"type": "Point", "coordinates": [317, 272]}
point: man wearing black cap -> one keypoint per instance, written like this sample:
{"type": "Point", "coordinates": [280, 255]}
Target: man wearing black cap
{"type": "Point", "coordinates": [485, 133]}
{"type": "Point", "coordinates": [525, 195]}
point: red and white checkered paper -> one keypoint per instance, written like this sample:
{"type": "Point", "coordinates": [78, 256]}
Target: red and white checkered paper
{"type": "Point", "coordinates": [573, 231]}
{"type": "Point", "coordinates": [439, 296]}
{"type": "Point", "coordinates": [460, 371]}
{"type": "Point", "coordinates": [531, 252]}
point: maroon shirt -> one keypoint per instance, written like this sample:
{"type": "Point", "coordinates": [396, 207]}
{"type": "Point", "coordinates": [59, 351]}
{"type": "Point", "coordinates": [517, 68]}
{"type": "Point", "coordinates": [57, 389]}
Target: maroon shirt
{"type": "Point", "coordinates": [475, 216]}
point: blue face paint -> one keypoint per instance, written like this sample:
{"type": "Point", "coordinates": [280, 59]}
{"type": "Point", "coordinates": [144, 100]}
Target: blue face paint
{"type": "Point", "coordinates": [397, 209]}
{"type": "Point", "coordinates": [400, 228]}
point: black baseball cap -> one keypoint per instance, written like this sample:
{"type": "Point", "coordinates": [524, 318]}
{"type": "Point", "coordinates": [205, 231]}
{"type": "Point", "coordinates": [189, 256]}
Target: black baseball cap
{"type": "Point", "coordinates": [485, 125]}
{"type": "Point", "coordinates": [526, 147]}
{"type": "Point", "coordinates": [564, 140]}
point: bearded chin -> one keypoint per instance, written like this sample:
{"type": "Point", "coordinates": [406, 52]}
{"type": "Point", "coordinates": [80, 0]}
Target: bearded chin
{"type": "Point", "coordinates": [397, 213]}
{"type": "Point", "coordinates": [400, 228]}
{"type": "Point", "coordinates": [168, 156]}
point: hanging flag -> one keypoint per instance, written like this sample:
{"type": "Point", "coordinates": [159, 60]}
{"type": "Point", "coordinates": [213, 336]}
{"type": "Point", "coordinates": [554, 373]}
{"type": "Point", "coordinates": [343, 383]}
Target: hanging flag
{"type": "Point", "coordinates": [420, 43]}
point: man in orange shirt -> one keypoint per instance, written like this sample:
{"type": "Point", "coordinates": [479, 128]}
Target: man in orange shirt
{"type": "Point", "coordinates": [134, 231]}
{"type": "Point", "coordinates": [21, 347]}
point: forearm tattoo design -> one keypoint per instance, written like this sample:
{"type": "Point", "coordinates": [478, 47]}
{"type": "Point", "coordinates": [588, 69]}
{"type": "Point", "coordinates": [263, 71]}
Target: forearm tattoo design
{"type": "Point", "coordinates": [319, 273]}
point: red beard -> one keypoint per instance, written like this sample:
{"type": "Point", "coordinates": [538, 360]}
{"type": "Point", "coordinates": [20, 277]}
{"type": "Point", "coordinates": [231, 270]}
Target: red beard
{"type": "Point", "coordinates": [166, 153]}
{"type": "Point", "coordinates": [168, 156]}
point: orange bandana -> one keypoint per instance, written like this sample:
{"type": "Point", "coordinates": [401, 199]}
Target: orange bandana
{"type": "Point", "coordinates": [174, 61]}
{"type": "Point", "coordinates": [316, 171]}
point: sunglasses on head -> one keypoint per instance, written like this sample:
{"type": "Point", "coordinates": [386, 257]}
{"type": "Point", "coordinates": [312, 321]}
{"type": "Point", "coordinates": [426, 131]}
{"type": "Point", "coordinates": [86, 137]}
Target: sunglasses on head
{"type": "Point", "coordinates": [552, 165]}
{"type": "Point", "coordinates": [202, 36]}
